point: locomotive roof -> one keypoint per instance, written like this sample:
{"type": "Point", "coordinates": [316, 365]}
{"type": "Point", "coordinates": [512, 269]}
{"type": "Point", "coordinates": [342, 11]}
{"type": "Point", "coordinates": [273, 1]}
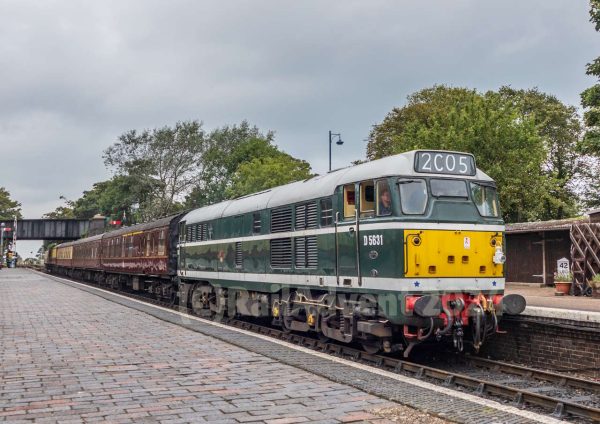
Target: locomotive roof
{"type": "Point", "coordinates": [316, 187]}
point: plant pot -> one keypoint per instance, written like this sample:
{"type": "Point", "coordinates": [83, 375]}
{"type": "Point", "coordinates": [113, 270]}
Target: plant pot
{"type": "Point", "coordinates": [562, 287]}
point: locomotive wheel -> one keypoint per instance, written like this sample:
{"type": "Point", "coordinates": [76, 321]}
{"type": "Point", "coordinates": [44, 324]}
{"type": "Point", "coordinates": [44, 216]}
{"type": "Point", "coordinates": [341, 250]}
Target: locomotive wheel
{"type": "Point", "coordinates": [372, 346]}
{"type": "Point", "coordinates": [200, 301]}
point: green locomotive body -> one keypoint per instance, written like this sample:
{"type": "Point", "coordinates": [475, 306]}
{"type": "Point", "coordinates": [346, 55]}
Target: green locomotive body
{"type": "Point", "coordinates": [388, 253]}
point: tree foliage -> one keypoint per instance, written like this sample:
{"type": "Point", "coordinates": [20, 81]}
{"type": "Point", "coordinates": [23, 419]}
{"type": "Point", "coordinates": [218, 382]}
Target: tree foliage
{"type": "Point", "coordinates": [263, 173]}
{"type": "Point", "coordinates": [155, 171]}
{"type": "Point", "coordinates": [165, 161]}
{"type": "Point", "coordinates": [226, 149]}
{"type": "Point", "coordinates": [590, 100]}
{"type": "Point", "coordinates": [116, 198]}
{"type": "Point", "coordinates": [525, 140]}
{"type": "Point", "coordinates": [8, 208]}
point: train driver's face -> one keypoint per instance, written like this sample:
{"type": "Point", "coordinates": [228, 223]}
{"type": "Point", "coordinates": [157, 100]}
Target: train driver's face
{"type": "Point", "coordinates": [385, 198]}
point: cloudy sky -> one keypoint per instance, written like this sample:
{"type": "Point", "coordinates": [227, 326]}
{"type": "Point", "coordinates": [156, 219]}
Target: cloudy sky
{"type": "Point", "coordinates": [74, 75]}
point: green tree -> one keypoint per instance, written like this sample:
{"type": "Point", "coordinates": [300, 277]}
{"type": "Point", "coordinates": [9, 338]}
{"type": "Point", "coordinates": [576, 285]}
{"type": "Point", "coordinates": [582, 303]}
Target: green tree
{"type": "Point", "coordinates": [263, 173]}
{"type": "Point", "coordinates": [590, 146]}
{"type": "Point", "coordinates": [166, 160]}
{"type": "Point", "coordinates": [560, 128]}
{"type": "Point", "coordinates": [226, 149]}
{"type": "Point", "coordinates": [61, 212]}
{"type": "Point", "coordinates": [114, 198]}
{"type": "Point", "coordinates": [8, 208]}
{"type": "Point", "coordinates": [590, 98]}
{"type": "Point", "coordinates": [497, 128]}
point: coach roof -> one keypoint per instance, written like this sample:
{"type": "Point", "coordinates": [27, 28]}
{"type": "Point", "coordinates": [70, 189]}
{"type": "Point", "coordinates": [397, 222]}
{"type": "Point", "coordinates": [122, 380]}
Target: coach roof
{"type": "Point", "coordinates": [316, 187]}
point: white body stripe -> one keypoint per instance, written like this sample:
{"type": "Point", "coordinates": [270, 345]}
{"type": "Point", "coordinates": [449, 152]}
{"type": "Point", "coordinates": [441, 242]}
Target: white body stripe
{"type": "Point", "coordinates": [372, 283]}
{"type": "Point", "coordinates": [345, 227]}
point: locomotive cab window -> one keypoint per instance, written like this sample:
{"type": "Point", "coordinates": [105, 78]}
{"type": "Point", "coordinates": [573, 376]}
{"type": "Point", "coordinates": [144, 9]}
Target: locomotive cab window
{"type": "Point", "coordinates": [413, 196]}
{"type": "Point", "coordinates": [384, 199]}
{"type": "Point", "coordinates": [486, 199]}
{"type": "Point", "coordinates": [349, 201]}
{"type": "Point", "coordinates": [448, 188]}
{"type": "Point", "coordinates": [367, 199]}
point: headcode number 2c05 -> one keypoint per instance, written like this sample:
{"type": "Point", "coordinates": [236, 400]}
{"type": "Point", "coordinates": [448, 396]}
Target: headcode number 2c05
{"type": "Point", "coordinates": [373, 240]}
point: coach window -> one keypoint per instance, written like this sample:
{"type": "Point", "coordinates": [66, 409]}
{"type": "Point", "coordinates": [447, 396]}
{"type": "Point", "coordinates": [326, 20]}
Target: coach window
{"type": "Point", "coordinates": [349, 201]}
{"type": "Point", "coordinates": [384, 199]}
{"type": "Point", "coordinates": [413, 196]}
{"type": "Point", "coordinates": [161, 242]}
{"type": "Point", "coordinates": [367, 199]}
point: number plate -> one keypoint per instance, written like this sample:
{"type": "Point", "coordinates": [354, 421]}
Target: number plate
{"type": "Point", "coordinates": [445, 163]}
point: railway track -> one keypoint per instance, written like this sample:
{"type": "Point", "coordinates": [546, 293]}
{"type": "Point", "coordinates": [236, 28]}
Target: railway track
{"type": "Point", "coordinates": [561, 395]}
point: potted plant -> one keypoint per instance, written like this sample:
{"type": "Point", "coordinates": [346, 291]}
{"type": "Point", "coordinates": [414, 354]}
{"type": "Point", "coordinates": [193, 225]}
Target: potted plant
{"type": "Point", "coordinates": [562, 283]}
{"type": "Point", "coordinates": [594, 283]}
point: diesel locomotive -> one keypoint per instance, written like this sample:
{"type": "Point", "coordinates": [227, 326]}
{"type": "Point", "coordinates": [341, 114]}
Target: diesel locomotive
{"type": "Point", "coordinates": [390, 254]}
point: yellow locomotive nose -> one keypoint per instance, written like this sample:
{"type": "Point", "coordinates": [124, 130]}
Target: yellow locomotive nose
{"type": "Point", "coordinates": [453, 253]}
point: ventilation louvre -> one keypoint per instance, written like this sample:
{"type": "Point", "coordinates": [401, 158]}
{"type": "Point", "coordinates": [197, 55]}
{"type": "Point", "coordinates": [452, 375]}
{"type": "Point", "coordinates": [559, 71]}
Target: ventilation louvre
{"type": "Point", "coordinates": [281, 220]}
{"type": "Point", "coordinates": [238, 254]}
{"type": "Point", "coordinates": [281, 253]}
{"type": "Point", "coordinates": [306, 252]}
{"type": "Point", "coordinates": [306, 216]}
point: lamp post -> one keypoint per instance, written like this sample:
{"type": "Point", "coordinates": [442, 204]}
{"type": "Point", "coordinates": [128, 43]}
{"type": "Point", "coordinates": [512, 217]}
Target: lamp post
{"type": "Point", "coordinates": [339, 142]}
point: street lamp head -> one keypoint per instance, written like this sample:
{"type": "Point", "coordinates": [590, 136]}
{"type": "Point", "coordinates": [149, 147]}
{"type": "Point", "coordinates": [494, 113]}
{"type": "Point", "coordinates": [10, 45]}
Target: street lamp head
{"type": "Point", "coordinates": [339, 142]}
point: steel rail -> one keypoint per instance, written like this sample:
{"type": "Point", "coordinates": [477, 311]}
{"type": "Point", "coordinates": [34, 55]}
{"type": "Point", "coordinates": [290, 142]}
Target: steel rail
{"type": "Point", "coordinates": [520, 370]}
{"type": "Point", "coordinates": [520, 397]}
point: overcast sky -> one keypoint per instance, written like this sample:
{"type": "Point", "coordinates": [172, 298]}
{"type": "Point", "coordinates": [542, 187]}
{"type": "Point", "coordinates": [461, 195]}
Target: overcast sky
{"type": "Point", "coordinates": [74, 75]}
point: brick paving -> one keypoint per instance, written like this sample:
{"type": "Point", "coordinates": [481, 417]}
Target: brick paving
{"type": "Point", "coordinates": [72, 356]}
{"type": "Point", "coordinates": [544, 296]}
{"type": "Point", "coordinates": [69, 356]}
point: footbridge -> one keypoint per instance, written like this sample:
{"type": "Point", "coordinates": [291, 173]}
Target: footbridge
{"type": "Point", "coordinates": [47, 229]}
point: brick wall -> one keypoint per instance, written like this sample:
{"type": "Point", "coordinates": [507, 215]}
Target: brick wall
{"type": "Point", "coordinates": [547, 343]}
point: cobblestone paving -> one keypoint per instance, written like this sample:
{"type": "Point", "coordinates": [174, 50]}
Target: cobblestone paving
{"type": "Point", "coordinates": [68, 356]}
{"type": "Point", "coordinates": [80, 356]}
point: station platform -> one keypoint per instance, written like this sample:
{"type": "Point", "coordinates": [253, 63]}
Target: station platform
{"type": "Point", "coordinates": [73, 353]}
{"type": "Point", "coordinates": [543, 303]}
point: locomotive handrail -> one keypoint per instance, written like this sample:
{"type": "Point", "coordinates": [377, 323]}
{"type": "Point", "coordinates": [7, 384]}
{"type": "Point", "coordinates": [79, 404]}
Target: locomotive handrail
{"type": "Point", "coordinates": [337, 250]}
{"type": "Point", "coordinates": [357, 244]}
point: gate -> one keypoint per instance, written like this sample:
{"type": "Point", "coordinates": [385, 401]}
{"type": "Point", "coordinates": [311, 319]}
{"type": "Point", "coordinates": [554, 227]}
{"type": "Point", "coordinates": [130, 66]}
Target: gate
{"type": "Point", "coordinates": [585, 255]}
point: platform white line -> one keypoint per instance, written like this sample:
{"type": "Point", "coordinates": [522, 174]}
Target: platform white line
{"type": "Point", "coordinates": [569, 314]}
{"type": "Point", "coordinates": [408, 380]}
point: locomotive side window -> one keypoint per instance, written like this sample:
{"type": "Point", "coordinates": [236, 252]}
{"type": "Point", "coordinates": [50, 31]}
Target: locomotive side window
{"type": "Point", "coordinates": [367, 199]}
{"type": "Point", "coordinates": [413, 196]}
{"type": "Point", "coordinates": [384, 199]}
{"type": "Point", "coordinates": [349, 201]}
{"type": "Point", "coordinates": [448, 188]}
{"type": "Point", "coordinates": [326, 212]}
{"type": "Point", "coordinates": [486, 199]}
{"type": "Point", "coordinates": [256, 224]}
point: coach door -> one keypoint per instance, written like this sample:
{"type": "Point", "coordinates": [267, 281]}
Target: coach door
{"type": "Point", "coordinates": [346, 238]}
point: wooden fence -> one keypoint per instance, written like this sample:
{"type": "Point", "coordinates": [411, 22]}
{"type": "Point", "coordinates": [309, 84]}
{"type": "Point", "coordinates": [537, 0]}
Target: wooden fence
{"type": "Point", "coordinates": [585, 255]}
